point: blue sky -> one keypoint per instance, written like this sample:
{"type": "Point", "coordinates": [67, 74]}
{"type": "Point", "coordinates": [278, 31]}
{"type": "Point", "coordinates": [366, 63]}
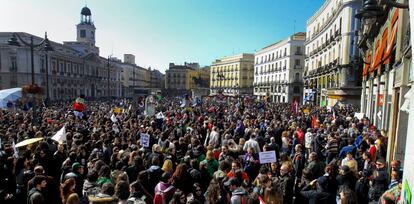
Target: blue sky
{"type": "Point", "coordinates": [161, 31]}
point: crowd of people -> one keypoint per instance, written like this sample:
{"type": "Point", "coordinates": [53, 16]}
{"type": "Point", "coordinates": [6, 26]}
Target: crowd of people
{"type": "Point", "coordinates": [206, 152]}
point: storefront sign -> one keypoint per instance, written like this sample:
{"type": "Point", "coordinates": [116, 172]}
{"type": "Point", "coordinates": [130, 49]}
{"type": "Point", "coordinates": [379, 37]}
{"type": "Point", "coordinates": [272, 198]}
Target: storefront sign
{"type": "Point", "coordinates": [380, 100]}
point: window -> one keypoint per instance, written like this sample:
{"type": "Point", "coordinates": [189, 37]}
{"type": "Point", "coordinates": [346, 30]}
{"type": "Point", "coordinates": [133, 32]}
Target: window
{"type": "Point", "coordinates": [82, 33]}
{"type": "Point", "coordinates": [13, 63]}
{"type": "Point", "coordinates": [296, 89]}
{"type": "Point", "coordinates": [297, 62]}
{"type": "Point", "coordinates": [297, 77]}
{"type": "Point", "coordinates": [92, 34]}
{"type": "Point", "coordinates": [42, 65]}
{"type": "Point", "coordinates": [298, 50]}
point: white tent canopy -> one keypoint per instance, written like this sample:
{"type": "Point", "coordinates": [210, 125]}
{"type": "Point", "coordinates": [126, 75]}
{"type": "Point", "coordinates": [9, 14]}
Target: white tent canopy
{"type": "Point", "coordinates": [11, 95]}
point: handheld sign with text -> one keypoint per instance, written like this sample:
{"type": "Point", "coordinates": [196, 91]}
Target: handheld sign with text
{"type": "Point", "coordinates": [145, 140]}
{"type": "Point", "coordinates": [267, 157]}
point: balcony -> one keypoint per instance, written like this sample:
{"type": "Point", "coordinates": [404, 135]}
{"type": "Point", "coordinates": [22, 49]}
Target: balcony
{"type": "Point", "coordinates": [298, 53]}
{"type": "Point", "coordinates": [298, 66]}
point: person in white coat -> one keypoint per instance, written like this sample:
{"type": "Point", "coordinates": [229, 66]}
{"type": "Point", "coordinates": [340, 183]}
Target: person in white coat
{"type": "Point", "coordinates": [213, 138]}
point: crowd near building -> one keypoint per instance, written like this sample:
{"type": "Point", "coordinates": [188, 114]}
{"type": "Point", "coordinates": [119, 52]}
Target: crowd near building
{"type": "Point", "coordinates": [337, 96]}
{"type": "Point", "coordinates": [74, 68]}
{"type": "Point", "coordinates": [278, 70]}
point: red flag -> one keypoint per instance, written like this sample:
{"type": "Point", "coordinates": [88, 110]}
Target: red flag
{"type": "Point", "coordinates": [294, 107]}
{"type": "Point", "coordinates": [313, 121]}
{"type": "Point", "coordinates": [169, 119]}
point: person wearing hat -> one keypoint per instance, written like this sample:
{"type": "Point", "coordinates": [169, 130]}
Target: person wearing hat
{"type": "Point", "coordinates": [379, 182]}
{"type": "Point", "coordinates": [237, 192]}
{"type": "Point", "coordinates": [77, 174]}
{"type": "Point", "coordinates": [346, 177]}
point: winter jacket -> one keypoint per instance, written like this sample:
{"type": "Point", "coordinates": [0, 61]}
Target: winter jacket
{"type": "Point", "coordinates": [237, 196]}
{"type": "Point", "coordinates": [315, 196]}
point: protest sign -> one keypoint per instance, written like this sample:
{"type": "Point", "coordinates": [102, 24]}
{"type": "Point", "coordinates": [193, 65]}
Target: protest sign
{"type": "Point", "coordinates": [267, 157]}
{"type": "Point", "coordinates": [145, 140]}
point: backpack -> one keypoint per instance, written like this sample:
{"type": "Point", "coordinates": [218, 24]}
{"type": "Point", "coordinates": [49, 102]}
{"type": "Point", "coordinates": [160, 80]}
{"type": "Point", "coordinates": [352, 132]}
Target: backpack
{"type": "Point", "coordinates": [159, 196]}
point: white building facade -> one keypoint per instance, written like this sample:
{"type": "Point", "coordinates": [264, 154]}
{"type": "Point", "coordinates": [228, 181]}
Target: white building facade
{"type": "Point", "coordinates": [332, 73]}
{"type": "Point", "coordinates": [278, 70]}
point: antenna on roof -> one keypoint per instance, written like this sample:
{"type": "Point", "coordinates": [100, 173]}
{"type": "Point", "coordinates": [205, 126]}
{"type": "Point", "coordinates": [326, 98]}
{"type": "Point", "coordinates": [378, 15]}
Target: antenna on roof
{"type": "Point", "coordinates": [112, 48]}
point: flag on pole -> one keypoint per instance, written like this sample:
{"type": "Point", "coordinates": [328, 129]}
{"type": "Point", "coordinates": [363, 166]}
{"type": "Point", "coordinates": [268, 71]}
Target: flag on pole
{"type": "Point", "coordinates": [16, 152]}
{"type": "Point", "coordinates": [60, 136]}
{"type": "Point", "coordinates": [113, 118]}
{"type": "Point", "coordinates": [160, 115]}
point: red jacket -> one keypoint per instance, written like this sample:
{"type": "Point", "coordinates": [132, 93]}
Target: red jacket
{"type": "Point", "coordinates": [78, 107]}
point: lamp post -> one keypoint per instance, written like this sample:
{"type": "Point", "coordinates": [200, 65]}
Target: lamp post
{"type": "Point", "coordinates": [14, 41]}
{"type": "Point", "coordinates": [47, 48]}
{"type": "Point", "coordinates": [109, 74]}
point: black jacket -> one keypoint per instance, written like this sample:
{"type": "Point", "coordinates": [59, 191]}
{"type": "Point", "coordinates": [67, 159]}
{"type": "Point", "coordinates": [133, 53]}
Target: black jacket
{"type": "Point", "coordinates": [315, 196]}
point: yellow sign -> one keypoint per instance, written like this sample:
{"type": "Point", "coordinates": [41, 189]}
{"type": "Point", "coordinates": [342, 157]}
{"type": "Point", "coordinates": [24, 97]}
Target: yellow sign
{"type": "Point", "coordinates": [117, 110]}
{"type": "Point", "coordinates": [306, 111]}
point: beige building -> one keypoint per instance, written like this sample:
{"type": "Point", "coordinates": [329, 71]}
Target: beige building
{"type": "Point", "coordinates": [232, 75]}
{"type": "Point", "coordinates": [178, 79]}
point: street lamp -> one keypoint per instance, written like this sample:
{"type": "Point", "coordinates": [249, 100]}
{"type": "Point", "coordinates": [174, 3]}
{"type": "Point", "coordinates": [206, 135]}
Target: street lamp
{"type": "Point", "coordinates": [109, 74]}
{"type": "Point", "coordinates": [372, 9]}
{"type": "Point", "coordinates": [33, 88]}
{"type": "Point", "coordinates": [47, 48]}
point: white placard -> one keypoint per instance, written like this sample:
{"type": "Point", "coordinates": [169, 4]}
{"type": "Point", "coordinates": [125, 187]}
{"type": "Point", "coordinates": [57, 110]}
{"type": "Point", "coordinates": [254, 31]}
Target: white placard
{"type": "Point", "coordinates": [145, 140]}
{"type": "Point", "coordinates": [267, 157]}
{"type": "Point", "coordinates": [359, 115]}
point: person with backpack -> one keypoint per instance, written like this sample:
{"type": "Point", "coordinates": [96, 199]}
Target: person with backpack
{"type": "Point", "coordinates": [164, 191]}
{"type": "Point", "coordinates": [238, 194]}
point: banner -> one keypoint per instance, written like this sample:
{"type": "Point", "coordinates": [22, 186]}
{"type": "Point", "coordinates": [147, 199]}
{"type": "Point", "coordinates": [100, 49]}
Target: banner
{"type": "Point", "coordinates": [113, 118]}
{"type": "Point", "coordinates": [359, 115]}
{"type": "Point", "coordinates": [145, 140]}
{"type": "Point", "coordinates": [60, 136]}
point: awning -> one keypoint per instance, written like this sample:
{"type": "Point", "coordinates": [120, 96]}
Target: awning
{"type": "Point", "coordinates": [393, 35]}
{"type": "Point", "coordinates": [335, 97]}
{"type": "Point", "coordinates": [366, 66]}
{"type": "Point", "coordinates": [380, 51]}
